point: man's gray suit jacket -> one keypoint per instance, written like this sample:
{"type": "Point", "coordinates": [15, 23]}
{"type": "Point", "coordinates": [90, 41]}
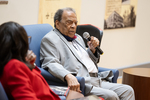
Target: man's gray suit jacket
{"type": "Point", "coordinates": [58, 56]}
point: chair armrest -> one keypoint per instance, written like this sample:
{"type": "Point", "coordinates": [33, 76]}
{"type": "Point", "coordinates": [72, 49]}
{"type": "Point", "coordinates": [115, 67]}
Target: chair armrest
{"type": "Point", "coordinates": [52, 80]}
{"type": "Point", "coordinates": [62, 97]}
{"type": "Point", "coordinates": [3, 95]}
{"type": "Point", "coordinates": [81, 80]}
{"type": "Point", "coordinates": [115, 72]}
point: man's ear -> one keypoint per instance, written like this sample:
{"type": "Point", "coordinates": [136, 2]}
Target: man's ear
{"type": "Point", "coordinates": [57, 24]}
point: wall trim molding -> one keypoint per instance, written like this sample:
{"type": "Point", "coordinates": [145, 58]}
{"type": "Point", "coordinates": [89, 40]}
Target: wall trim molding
{"type": "Point", "coordinates": [140, 65]}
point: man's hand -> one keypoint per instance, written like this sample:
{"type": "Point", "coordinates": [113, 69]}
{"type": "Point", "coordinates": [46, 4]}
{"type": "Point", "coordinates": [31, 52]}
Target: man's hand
{"type": "Point", "coordinates": [73, 82]}
{"type": "Point", "coordinates": [31, 57]}
{"type": "Point", "coordinates": [93, 43]}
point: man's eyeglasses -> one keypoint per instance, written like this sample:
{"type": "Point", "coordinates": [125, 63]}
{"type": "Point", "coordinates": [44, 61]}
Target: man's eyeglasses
{"type": "Point", "coordinates": [69, 23]}
{"type": "Point", "coordinates": [29, 39]}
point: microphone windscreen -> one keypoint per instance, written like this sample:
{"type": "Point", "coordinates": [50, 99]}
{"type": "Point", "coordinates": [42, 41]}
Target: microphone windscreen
{"type": "Point", "coordinates": [86, 35]}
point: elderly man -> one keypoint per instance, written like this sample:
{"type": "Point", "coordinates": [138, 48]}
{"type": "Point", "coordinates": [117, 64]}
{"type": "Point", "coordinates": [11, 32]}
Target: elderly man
{"type": "Point", "coordinates": [64, 54]}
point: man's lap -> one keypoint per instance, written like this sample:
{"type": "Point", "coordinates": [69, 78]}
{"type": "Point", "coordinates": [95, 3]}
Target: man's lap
{"type": "Point", "coordinates": [112, 91]}
{"type": "Point", "coordinates": [104, 93]}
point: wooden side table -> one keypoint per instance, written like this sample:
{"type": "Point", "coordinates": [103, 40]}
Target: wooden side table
{"type": "Point", "coordinates": [139, 80]}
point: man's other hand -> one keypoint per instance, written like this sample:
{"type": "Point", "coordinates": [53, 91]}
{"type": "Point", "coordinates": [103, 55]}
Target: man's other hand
{"type": "Point", "coordinates": [73, 82]}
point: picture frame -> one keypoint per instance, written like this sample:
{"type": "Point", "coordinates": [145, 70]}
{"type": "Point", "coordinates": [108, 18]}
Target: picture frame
{"type": "Point", "coordinates": [3, 2]}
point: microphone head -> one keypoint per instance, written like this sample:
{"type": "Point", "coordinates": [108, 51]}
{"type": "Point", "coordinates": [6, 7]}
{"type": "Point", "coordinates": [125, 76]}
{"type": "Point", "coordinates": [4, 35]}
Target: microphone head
{"type": "Point", "coordinates": [86, 35]}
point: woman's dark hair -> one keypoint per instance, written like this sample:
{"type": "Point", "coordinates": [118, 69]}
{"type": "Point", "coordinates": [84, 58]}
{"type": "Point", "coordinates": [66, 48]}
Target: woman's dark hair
{"type": "Point", "coordinates": [13, 43]}
{"type": "Point", "coordinates": [58, 14]}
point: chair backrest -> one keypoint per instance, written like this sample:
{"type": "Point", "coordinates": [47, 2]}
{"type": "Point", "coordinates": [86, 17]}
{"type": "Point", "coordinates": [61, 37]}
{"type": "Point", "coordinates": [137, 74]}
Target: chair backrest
{"type": "Point", "coordinates": [92, 30]}
{"type": "Point", "coordinates": [3, 95]}
{"type": "Point", "coordinates": [37, 32]}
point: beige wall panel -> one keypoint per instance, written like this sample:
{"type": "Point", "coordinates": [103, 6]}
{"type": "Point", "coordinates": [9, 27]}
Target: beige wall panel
{"type": "Point", "coordinates": [47, 9]}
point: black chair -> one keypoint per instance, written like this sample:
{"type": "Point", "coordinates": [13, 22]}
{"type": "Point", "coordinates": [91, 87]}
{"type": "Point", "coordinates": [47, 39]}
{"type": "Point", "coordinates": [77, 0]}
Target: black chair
{"type": "Point", "coordinates": [96, 32]}
{"type": "Point", "coordinates": [92, 30]}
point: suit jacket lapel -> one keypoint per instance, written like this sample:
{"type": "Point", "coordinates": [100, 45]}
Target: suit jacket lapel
{"type": "Point", "coordinates": [78, 41]}
{"type": "Point", "coordinates": [68, 45]}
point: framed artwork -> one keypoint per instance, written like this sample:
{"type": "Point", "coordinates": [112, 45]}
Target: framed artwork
{"type": "Point", "coordinates": [47, 9]}
{"type": "Point", "coordinates": [3, 1]}
{"type": "Point", "coordinates": [120, 14]}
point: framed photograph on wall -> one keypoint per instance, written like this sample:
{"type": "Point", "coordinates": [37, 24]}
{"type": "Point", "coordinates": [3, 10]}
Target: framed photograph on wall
{"type": "Point", "coordinates": [3, 1]}
{"type": "Point", "coordinates": [47, 9]}
{"type": "Point", "coordinates": [120, 14]}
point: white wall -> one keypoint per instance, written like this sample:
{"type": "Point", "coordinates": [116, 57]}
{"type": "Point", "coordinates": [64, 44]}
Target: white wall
{"type": "Point", "coordinates": [122, 47]}
{"type": "Point", "coordinates": [22, 11]}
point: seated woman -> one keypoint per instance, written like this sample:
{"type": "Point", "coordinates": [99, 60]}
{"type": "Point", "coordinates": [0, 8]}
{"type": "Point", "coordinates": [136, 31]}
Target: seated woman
{"type": "Point", "coordinates": [18, 75]}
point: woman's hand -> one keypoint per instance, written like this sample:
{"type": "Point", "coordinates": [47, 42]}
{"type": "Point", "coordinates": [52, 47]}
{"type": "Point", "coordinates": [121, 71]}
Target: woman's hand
{"type": "Point", "coordinates": [31, 57]}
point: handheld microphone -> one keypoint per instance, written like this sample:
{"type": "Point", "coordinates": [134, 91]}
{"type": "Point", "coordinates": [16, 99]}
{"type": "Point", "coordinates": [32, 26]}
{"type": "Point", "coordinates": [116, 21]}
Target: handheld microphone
{"type": "Point", "coordinates": [86, 35]}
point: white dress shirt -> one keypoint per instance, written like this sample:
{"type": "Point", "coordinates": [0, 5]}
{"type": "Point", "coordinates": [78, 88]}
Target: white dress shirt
{"type": "Point", "coordinates": [84, 57]}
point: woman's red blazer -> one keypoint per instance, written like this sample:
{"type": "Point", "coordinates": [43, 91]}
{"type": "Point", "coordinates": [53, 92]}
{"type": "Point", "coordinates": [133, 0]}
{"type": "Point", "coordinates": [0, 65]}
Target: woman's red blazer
{"type": "Point", "coordinates": [20, 83]}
